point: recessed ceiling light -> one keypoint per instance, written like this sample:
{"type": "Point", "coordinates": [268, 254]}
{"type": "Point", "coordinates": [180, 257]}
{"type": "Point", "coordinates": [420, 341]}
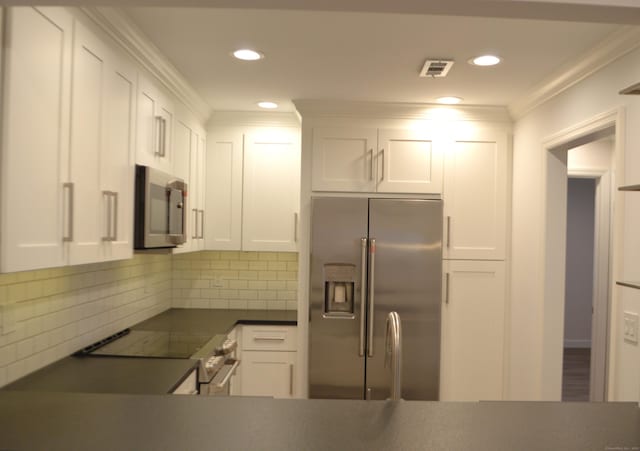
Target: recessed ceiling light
{"type": "Point", "coordinates": [449, 100]}
{"type": "Point", "coordinates": [485, 60]}
{"type": "Point", "coordinates": [248, 55]}
{"type": "Point", "coordinates": [268, 105]}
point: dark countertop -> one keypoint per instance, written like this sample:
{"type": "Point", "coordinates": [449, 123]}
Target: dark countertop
{"type": "Point", "coordinates": [57, 421]}
{"type": "Point", "coordinates": [107, 375]}
{"type": "Point", "coordinates": [214, 321]}
{"type": "Point", "coordinates": [144, 375]}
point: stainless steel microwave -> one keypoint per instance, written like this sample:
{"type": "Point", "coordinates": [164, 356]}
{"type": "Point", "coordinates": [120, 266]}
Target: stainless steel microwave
{"type": "Point", "coordinates": [160, 204]}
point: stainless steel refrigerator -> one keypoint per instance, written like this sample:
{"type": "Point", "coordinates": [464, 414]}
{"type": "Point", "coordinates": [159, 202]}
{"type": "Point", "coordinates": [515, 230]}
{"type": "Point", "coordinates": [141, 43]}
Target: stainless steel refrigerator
{"type": "Point", "coordinates": [370, 257]}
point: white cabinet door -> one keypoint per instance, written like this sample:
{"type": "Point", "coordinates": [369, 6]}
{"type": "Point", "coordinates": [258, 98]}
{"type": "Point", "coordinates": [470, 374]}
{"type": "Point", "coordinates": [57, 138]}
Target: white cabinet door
{"type": "Point", "coordinates": [88, 93]}
{"type": "Point", "coordinates": [271, 190]}
{"type": "Point", "coordinates": [117, 159]}
{"type": "Point", "coordinates": [154, 129]}
{"type": "Point", "coordinates": [475, 194]}
{"type": "Point", "coordinates": [268, 373]}
{"type": "Point", "coordinates": [223, 220]}
{"type": "Point", "coordinates": [182, 144]}
{"type": "Point", "coordinates": [201, 156]}
{"type": "Point", "coordinates": [409, 161]}
{"type": "Point", "coordinates": [473, 331]}
{"type": "Point", "coordinates": [197, 196]}
{"type": "Point", "coordinates": [343, 159]}
{"type": "Point", "coordinates": [35, 141]}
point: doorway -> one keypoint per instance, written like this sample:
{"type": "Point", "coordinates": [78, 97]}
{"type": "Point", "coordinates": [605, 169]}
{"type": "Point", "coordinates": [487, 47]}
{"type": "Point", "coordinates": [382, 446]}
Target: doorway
{"type": "Point", "coordinates": [579, 295]}
{"type": "Point", "coordinates": [565, 157]}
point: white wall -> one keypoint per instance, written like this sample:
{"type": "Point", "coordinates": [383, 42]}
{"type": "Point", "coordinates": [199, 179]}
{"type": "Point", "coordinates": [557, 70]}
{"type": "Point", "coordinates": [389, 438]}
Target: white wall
{"type": "Point", "coordinates": [529, 359]}
{"type": "Point", "coordinates": [579, 276]}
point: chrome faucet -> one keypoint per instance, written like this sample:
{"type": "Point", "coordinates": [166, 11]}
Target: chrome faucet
{"type": "Point", "coordinates": [393, 353]}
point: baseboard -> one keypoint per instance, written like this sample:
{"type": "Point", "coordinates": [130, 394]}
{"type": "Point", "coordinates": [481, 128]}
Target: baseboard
{"type": "Point", "coordinates": [577, 343]}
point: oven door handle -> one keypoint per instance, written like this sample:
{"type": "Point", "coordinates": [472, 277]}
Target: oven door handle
{"type": "Point", "coordinates": [231, 372]}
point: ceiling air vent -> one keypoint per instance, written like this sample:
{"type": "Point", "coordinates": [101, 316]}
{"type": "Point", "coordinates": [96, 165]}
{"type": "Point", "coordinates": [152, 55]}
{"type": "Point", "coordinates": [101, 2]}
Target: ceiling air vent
{"type": "Point", "coordinates": [436, 68]}
{"type": "Point", "coordinates": [631, 90]}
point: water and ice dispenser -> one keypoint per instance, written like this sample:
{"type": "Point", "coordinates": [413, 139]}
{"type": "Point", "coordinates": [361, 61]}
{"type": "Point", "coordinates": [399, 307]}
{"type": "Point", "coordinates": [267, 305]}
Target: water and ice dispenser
{"type": "Point", "coordinates": [339, 290]}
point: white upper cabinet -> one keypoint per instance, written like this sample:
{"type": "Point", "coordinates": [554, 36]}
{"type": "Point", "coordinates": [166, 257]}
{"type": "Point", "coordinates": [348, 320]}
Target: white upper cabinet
{"type": "Point", "coordinates": [154, 146]}
{"type": "Point", "coordinates": [409, 161]}
{"type": "Point", "coordinates": [35, 138]}
{"type": "Point", "coordinates": [67, 169]}
{"type": "Point", "coordinates": [182, 143]}
{"type": "Point", "coordinates": [343, 159]}
{"type": "Point", "coordinates": [473, 323]}
{"type": "Point", "coordinates": [253, 189]}
{"type": "Point", "coordinates": [189, 165]}
{"type": "Point", "coordinates": [271, 190]}
{"type": "Point", "coordinates": [475, 194]}
{"type": "Point", "coordinates": [371, 160]}
{"type": "Point", "coordinates": [224, 190]}
{"type": "Point", "coordinates": [101, 172]}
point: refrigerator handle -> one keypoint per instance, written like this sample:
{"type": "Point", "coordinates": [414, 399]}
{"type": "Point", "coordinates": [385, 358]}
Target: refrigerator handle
{"type": "Point", "coordinates": [372, 268]}
{"type": "Point", "coordinates": [363, 292]}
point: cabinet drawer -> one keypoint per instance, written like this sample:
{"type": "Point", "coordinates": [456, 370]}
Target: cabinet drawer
{"type": "Point", "coordinates": [271, 338]}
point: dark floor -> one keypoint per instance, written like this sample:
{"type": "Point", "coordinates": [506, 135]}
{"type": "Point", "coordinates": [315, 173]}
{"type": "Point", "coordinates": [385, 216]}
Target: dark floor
{"type": "Point", "coordinates": [575, 374]}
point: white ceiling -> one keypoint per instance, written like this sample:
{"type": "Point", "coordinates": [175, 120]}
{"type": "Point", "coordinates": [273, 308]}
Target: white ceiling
{"type": "Point", "coordinates": [358, 55]}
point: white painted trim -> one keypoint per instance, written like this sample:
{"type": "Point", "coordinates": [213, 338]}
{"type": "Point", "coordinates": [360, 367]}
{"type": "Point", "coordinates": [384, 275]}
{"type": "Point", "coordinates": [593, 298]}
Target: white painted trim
{"type": "Point", "coordinates": [253, 118]}
{"type": "Point", "coordinates": [552, 308]}
{"type": "Point", "coordinates": [613, 47]}
{"type": "Point", "coordinates": [357, 109]}
{"type": "Point", "coordinates": [120, 28]}
{"type": "Point", "coordinates": [577, 343]}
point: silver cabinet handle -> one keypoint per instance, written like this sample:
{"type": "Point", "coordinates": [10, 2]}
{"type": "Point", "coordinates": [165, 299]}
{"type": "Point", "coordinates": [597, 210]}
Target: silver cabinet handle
{"type": "Point", "coordinates": [115, 216]}
{"type": "Point", "coordinates": [201, 234]}
{"type": "Point", "coordinates": [446, 298]}
{"type": "Point", "coordinates": [363, 292]}
{"type": "Point", "coordinates": [291, 379]}
{"type": "Point", "coordinates": [295, 227]}
{"type": "Point", "coordinates": [371, 165]}
{"type": "Point", "coordinates": [164, 137]}
{"type": "Point", "coordinates": [108, 195]}
{"type": "Point", "coordinates": [372, 269]}
{"type": "Point", "coordinates": [194, 235]}
{"type": "Point", "coordinates": [272, 338]}
{"type": "Point", "coordinates": [448, 232]}
{"type": "Point", "coordinates": [70, 187]}
{"type": "Point", "coordinates": [159, 136]}
{"type": "Point", "coordinates": [382, 155]}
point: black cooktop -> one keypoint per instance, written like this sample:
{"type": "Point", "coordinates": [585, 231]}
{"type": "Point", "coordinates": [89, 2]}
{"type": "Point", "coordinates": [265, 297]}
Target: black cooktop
{"type": "Point", "coordinates": [150, 343]}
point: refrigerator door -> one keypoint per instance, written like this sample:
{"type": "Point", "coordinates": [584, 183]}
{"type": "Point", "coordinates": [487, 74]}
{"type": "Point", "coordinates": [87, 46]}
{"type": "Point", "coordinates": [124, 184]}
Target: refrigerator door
{"type": "Point", "coordinates": [337, 329]}
{"type": "Point", "coordinates": [406, 268]}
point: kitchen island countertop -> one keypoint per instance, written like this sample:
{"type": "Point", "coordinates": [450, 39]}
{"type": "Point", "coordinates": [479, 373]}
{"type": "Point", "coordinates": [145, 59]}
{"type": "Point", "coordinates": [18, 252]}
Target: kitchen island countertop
{"type": "Point", "coordinates": [69, 421]}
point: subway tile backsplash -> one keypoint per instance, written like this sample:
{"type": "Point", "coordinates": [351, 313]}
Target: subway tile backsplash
{"type": "Point", "coordinates": [236, 280]}
{"type": "Point", "coordinates": [55, 312]}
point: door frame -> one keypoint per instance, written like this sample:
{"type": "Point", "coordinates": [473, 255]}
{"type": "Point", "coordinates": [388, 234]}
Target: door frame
{"type": "Point", "coordinates": [554, 206]}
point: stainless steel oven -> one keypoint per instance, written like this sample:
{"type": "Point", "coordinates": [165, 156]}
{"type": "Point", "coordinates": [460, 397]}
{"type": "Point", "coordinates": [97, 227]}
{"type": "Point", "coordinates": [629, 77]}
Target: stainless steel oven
{"type": "Point", "coordinates": [160, 209]}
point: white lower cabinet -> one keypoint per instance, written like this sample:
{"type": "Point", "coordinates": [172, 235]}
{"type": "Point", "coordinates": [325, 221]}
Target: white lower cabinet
{"type": "Point", "coordinates": [268, 361]}
{"type": "Point", "coordinates": [473, 323]}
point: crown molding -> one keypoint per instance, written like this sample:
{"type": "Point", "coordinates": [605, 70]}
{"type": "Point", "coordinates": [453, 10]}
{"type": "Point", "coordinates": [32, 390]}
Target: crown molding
{"type": "Point", "coordinates": [613, 47]}
{"type": "Point", "coordinates": [253, 118]}
{"type": "Point", "coordinates": [388, 110]}
{"type": "Point", "coordinates": [120, 28]}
